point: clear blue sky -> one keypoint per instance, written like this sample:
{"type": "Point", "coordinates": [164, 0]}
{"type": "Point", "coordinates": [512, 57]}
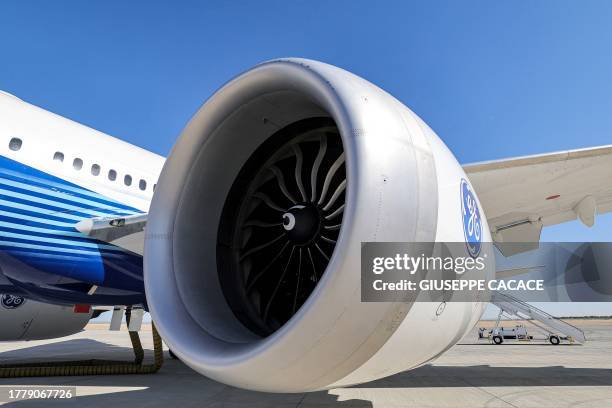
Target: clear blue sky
{"type": "Point", "coordinates": [493, 79]}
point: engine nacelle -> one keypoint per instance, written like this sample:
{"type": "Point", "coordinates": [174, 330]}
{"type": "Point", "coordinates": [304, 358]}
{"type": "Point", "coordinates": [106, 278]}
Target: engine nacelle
{"type": "Point", "coordinates": [252, 250]}
{"type": "Point", "coordinates": [25, 319]}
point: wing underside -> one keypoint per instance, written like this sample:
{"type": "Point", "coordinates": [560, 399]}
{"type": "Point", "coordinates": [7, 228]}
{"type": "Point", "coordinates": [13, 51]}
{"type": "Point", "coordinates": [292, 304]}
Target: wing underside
{"type": "Point", "coordinates": [522, 195]}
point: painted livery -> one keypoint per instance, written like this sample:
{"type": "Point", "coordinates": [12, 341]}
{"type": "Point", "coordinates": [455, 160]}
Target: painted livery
{"type": "Point", "coordinates": [54, 173]}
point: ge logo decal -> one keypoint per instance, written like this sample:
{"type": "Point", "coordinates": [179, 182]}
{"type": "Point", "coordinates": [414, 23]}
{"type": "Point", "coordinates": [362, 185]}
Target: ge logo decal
{"type": "Point", "coordinates": [472, 221]}
{"type": "Point", "coordinates": [11, 301]}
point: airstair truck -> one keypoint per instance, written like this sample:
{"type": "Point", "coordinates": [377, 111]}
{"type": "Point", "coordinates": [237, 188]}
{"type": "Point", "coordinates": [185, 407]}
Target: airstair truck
{"type": "Point", "coordinates": [555, 330]}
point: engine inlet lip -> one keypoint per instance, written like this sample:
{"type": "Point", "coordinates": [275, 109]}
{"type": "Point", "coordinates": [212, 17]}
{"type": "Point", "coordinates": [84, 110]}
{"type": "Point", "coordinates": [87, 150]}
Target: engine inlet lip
{"type": "Point", "coordinates": [279, 75]}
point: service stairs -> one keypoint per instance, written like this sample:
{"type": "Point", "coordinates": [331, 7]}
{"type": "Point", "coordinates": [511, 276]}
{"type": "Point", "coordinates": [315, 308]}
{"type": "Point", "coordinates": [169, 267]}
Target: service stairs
{"type": "Point", "coordinates": [516, 307]}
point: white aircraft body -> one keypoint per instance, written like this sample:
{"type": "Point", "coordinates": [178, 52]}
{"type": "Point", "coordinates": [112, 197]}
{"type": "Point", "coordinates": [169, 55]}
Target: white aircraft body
{"type": "Point", "coordinates": [246, 240]}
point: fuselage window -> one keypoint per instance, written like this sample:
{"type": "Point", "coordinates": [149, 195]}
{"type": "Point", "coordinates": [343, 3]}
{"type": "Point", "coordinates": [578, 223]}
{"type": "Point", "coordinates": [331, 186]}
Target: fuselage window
{"type": "Point", "coordinates": [15, 144]}
{"type": "Point", "coordinates": [127, 180]}
{"type": "Point", "coordinates": [58, 156]}
{"type": "Point", "coordinates": [95, 169]}
{"type": "Point", "coordinates": [112, 175]}
{"type": "Point", "coordinates": [77, 164]}
{"type": "Point", "coordinates": [142, 185]}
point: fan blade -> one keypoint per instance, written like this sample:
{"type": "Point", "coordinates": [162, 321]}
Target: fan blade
{"type": "Point", "coordinates": [266, 268]}
{"type": "Point", "coordinates": [315, 167]}
{"type": "Point", "coordinates": [297, 285]}
{"type": "Point", "coordinates": [329, 240]}
{"type": "Point", "coordinates": [268, 201]}
{"type": "Point", "coordinates": [321, 251]}
{"type": "Point", "coordinates": [330, 174]}
{"type": "Point", "coordinates": [280, 281]}
{"type": "Point", "coordinates": [335, 213]}
{"type": "Point", "coordinates": [256, 223]}
{"type": "Point", "coordinates": [281, 183]}
{"type": "Point", "coordinates": [299, 160]}
{"type": "Point", "coordinates": [314, 268]}
{"type": "Point", "coordinates": [260, 247]}
{"type": "Point", "coordinates": [332, 227]}
{"type": "Point", "coordinates": [335, 196]}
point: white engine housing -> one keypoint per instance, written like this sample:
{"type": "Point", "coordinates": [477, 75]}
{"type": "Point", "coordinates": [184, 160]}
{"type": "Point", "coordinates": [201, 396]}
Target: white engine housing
{"type": "Point", "coordinates": [402, 185]}
{"type": "Point", "coordinates": [25, 319]}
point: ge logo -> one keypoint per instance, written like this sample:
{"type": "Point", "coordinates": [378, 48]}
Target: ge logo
{"type": "Point", "coordinates": [11, 301]}
{"type": "Point", "coordinates": [472, 221]}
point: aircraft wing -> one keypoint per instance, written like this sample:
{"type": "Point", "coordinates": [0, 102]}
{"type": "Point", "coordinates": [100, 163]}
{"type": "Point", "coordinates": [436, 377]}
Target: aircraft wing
{"type": "Point", "coordinates": [521, 195]}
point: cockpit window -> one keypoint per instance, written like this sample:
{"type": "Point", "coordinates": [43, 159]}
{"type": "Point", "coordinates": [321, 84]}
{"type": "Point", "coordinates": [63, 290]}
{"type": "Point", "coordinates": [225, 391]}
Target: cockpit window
{"type": "Point", "coordinates": [15, 144]}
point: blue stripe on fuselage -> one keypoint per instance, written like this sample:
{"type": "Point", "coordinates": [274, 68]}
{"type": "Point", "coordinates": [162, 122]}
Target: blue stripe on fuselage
{"type": "Point", "coordinates": [52, 183]}
{"type": "Point", "coordinates": [37, 232]}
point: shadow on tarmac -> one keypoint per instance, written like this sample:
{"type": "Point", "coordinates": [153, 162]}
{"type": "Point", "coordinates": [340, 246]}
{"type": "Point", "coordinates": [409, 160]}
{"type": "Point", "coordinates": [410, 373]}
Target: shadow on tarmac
{"type": "Point", "coordinates": [177, 384]}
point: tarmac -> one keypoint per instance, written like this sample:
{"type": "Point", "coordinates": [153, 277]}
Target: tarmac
{"type": "Point", "coordinates": [471, 374]}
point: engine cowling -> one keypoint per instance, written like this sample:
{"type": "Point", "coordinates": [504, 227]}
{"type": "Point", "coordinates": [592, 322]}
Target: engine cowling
{"type": "Point", "coordinates": [26, 319]}
{"type": "Point", "coordinates": [252, 249]}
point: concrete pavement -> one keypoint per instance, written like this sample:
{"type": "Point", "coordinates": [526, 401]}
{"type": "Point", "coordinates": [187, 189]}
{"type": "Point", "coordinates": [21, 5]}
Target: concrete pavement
{"type": "Point", "coordinates": [469, 375]}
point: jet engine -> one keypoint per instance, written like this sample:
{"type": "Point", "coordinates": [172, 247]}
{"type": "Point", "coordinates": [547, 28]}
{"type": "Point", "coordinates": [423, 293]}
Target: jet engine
{"type": "Point", "coordinates": [26, 319]}
{"type": "Point", "coordinates": [252, 248]}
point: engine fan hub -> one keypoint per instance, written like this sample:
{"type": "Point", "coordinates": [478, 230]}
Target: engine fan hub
{"type": "Point", "coordinates": [302, 223]}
